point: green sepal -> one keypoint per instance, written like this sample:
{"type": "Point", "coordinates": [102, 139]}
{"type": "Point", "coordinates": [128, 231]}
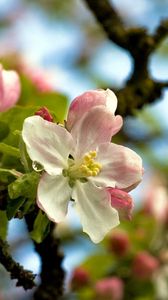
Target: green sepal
{"type": "Point", "coordinates": [13, 207]}
{"type": "Point", "coordinates": [41, 227]}
{"type": "Point", "coordinates": [24, 186]}
{"type": "Point", "coordinates": [6, 175]}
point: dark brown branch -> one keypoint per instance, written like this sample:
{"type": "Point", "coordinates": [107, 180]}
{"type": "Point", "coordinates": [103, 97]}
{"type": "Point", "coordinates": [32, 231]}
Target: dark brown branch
{"type": "Point", "coordinates": [161, 32]}
{"type": "Point", "coordinates": [140, 88]}
{"type": "Point", "coordinates": [109, 20]}
{"type": "Point", "coordinates": [52, 274]}
{"type": "Point", "coordinates": [24, 278]}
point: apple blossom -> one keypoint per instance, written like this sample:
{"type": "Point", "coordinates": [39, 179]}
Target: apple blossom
{"type": "Point", "coordinates": [156, 200]}
{"type": "Point", "coordinates": [119, 243]}
{"type": "Point", "coordinates": [90, 99]}
{"type": "Point", "coordinates": [80, 278]}
{"type": "Point", "coordinates": [81, 165]}
{"type": "Point", "coordinates": [39, 78]}
{"type": "Point", "coordinates": [9, 89]}
{"type": "Point", "coordinates": [111, 288]}
{"type": "Point", "coordinates": [144, 265]}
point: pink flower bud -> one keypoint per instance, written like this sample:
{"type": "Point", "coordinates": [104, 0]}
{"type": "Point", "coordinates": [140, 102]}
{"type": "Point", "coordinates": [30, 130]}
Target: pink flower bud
{"type": "Point", "coordinates": [45, 114]}
{"type": "Point", "coordinates": [144, 265]}
{"type": "Point", "coordinates": [111, 288]}
{"type": "Point", "coordinates": [122, 202]}
{"type": "Point", "coordinates": [80, 278]}
{"type": "Point", "coordinates": [119, 243]}
{"type": "Point", "coordinates": [9, 89]}
{"type": "Point", "coordinates": [83, 103]}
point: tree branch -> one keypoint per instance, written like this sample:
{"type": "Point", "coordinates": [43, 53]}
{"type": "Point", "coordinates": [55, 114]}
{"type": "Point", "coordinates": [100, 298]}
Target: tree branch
{"type": "Point", "coordinates": [24, 278]}
{"type": "Point", "coordinates": [140, 88]}
{"type": "Point", "coordinates": [52, 274]}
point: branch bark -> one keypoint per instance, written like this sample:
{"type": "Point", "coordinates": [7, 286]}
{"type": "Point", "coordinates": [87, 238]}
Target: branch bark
{"type": "Point", "coordinates": [52, 274]}
{"type": "Point", "coordinates": [140, 88]}
{"type": "Point", "coordinates": [24, 277]}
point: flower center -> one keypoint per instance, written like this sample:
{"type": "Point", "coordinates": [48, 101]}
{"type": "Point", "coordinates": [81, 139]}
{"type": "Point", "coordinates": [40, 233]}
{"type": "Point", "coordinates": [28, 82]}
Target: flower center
{"type": "Point", "coordinates": [84, 168]}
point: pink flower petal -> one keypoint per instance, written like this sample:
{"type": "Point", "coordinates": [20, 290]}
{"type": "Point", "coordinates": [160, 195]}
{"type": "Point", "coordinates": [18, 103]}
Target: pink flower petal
{"type": "Point", "coordinates": [9, 89]}
{"type": "Point", "coordinates": [96, 127]}
{"type": "Point", "coordinates": [53, 196]}
{"type": "Point", "coordinates": [121, 167]}
{"type": "Point", "coordinates": [95, 211]}
{"type": "Point", "coordinates": [88, 100]}
{"type": "Point", "coordinates": [122, 202]}
{"type": "Point", "coordinates": [47, 143]}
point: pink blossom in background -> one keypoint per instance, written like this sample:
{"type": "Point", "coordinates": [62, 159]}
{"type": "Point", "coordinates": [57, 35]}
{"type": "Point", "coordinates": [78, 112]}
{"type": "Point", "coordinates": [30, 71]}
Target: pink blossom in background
{"type": "Point", "coordinates": [111, 288]}
{"type": "Point", "coordinates": [144, 265]}
{"type": "Point", "coordinates": [9, 89]}
{"type": "Point", "coordinates": [80, 278]}
{"type": "Point", "coordinates": [156, 200]}
{"type": "Point", "coordinates": [119, 243]}
{"type": "Point", "coordinates": [83, 103]}
{"type": "Point", "coordinates": [40, 78]}
{"type": "Point", "coordinates": [81, 165]}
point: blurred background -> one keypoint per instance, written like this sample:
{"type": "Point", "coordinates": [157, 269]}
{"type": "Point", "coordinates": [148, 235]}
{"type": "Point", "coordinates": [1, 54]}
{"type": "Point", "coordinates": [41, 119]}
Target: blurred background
{"type": "Point", "coordinates": [60, 47]}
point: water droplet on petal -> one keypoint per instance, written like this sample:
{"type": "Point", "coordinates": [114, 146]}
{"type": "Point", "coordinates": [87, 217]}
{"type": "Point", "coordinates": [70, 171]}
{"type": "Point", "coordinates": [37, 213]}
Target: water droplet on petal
{"type": "Point", "coordinates": [37, 166]}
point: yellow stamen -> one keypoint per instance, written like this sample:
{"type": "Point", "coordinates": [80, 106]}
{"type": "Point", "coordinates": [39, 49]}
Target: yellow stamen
{"type": "Point", "coordinates": [85, 168]}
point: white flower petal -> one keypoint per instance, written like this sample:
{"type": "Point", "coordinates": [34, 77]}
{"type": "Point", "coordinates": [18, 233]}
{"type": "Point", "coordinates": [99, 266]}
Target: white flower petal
{"type": "Point", "coordinates": [53, 196]}
{"type": "Point", "coordinates": [47, 143]}
{"type": "Point", "coordinates": [97, 126]}
{"type": "Point", "coordinates": [95, 211]}
{"type": "Point", "coordinates": [121, 167]}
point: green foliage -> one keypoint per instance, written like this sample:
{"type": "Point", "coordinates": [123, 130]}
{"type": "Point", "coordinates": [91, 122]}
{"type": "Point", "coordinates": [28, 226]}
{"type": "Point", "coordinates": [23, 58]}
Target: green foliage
{"type": "Point", "coordinates": [4, 130]}
{"type": "Point", "coordinates": [3, 225]}
{"type": "Point", "coordinates": [9, 150]}
{"type": "Point", "coordinates": [55, 102]}
{"type": "Point", "coordinates": [13, 207]}
{"type": "Point", "coordinates": [14, 119]}
{"type": "Point", "coordinates": [102, 261]}
{"type": "Point", "coordinates": [22, 194]}
{"type": "Point", "coordinates": [7, 176]}
{"type": "Point", "coordinates": [85, 294]}
{"type": "Point", "coordinates": [24, 186]}
{"type": "Point", "coordinates": [41, 227]}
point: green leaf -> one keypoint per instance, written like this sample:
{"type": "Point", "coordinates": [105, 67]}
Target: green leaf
{"type": "Point", "coordinates": [86, 293]}
{"type": "Point", "coordinates": [3, 225]}
{"type": "Point", "coordinates": [98, 265]}
{"type": "Point", "coordinates": [9, 150]}
{"type": "Point", "coordinates": [24, 186]}
{"type": "Point", "coordinates": [13, 207]}
{"type": "Point", "coordinates": [41, 227]}
{"type": "Point", "coordinates": [4, 130]}
{"type": "Point", "coordinates": [14, 119]}
{"type": "Point", "coordinates": [54, 101]}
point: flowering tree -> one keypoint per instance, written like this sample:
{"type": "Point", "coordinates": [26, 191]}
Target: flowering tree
{"type": "Point", "coordinates": [52, 156]}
